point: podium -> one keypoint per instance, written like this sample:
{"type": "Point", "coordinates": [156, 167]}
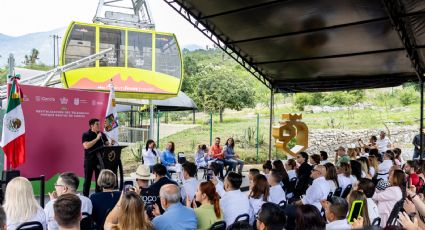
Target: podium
{"type": "Point", "coordinates": [110, 158]}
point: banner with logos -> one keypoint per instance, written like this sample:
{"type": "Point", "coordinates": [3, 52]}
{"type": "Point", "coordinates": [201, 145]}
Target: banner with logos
{"type": "Point", "coordinates": [55, 121]}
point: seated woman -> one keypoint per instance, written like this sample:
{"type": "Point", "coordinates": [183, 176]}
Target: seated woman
{"type": "Point", "coordinates": [20, 205]}
{"type": "Point", "coordinates": [230, 157]}
{"type": "Point", "coordinates": [258, 195]}
{"type": "Point", "coordinates": [104, 201]}
{"type": "Point", "coordinates": [150, 154]}
{"type": "Point", "coordinates": [209, 212]}
{"type": "Point", "coordinates": [200, 155]}
{"type": "Point", "coordinates": [168, 159]}
{"type": "Point", "coordinates": [385, 166]}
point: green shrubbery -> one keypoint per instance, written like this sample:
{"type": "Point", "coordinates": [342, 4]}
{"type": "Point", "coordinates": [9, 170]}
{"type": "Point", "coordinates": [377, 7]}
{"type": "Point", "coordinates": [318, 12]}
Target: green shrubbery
{"type": "Point", "coordinates": [341, 98]}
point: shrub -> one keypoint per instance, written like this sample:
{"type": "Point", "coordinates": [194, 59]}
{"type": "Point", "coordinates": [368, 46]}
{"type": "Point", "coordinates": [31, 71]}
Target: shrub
{"type": "Point", "coordinates": [407, 95]}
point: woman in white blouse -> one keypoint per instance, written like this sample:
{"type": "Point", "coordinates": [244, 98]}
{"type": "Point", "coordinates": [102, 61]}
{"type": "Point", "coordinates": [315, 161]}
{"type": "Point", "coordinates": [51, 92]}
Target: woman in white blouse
{"type": "Point", "coordinates": [258, 195]}
{"type": "Point", "coordinates": [385, 166]}
{"type": "Point", "coordinates": [150, 154]}
{"type": "Point", "coordinates": [20, 204]}
{"type": "Point", "coordinates": [344, 175]}
{"type": "Point", "coordinates": [331, 176]}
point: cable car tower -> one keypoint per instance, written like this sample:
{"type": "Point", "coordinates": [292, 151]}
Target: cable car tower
{"type": "Point", "coordinates": [126, 13]}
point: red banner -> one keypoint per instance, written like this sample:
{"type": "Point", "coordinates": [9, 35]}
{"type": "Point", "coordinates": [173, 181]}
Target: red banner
{"type": "Point", "coordinates": [55, 120]}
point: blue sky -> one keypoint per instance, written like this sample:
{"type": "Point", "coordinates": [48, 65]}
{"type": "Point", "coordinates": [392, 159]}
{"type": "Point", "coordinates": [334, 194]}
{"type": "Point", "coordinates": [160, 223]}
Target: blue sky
{"type": "Point", "coordinates": [19, 17]}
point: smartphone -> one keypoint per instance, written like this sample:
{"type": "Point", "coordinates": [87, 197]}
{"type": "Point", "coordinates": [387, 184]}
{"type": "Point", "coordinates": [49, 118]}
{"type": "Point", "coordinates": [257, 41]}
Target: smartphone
{"type": "Point", "coordinates": [210, 174]}
{"type": "Point", "coordinates": [355, 211]}
{"type": "Point", "coordinates": [128, 185]}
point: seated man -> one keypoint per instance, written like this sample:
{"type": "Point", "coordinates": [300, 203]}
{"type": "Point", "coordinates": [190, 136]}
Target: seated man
{"type": "Point", "coordinates": [270, 217]}
{"type": "Point", "coordinates": [319, 190]}
{"type": "Point", "coordinates": [336, 210]}
{"type": "Point", "coordinates": [67, 210]}
{"type": "Point", "coordinates": [276, 191]}
{"type": "Point", "coordinates": [216, 168]}
{"type": "Point", "coordinates": [67, 183]}
{"type": "Point", "coordinates": [176, 216]}
{"type": "Point", "coordinates": [159, 171]}
{"type": "Point", "coordinates": [216, 155]}
{"type": "Point", "coordinates": [190, 184]}
{"type": "Point", "coordinates": [233, 202]}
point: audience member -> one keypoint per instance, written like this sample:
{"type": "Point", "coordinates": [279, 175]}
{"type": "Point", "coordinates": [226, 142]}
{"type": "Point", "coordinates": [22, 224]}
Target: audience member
{"type": "Point", "coordinates": [270, 217]}
{"type": "Point", "coordinates": [20, 204]}
{"type": "Point", "coordinates": [314, 159]}
{"type": "Point", "coordinates": [356, 170]}
{"type": "Point", "coordinates": [417, 143]}
{"type": "Point", "coordinates": [366, 185]}
{"type": "Point", "coordinates": [323, 157]}
{"type": "Point", "coordinates": [176, 216]}
{"type": "Point", "coordinates": [383, 142]}
{"type": "Point", "coordinates": [336, 214]}
{"type": "Point", "coordinates": [230, 157]}
{"type": "Point", "coordinates": [308, 217]}
{"type": "Point", "coordinates": [303, 174]}
{"type": "Point", "coordinates": [3, 220]}
{"type": "Point", "coordinates": [159, 171]}
{"type": "Point", "coordinates": [216, 169]}
{"type": "Point", "coordinates": [359, 195]}
{"type": "Point", "coordinates": [398, 159]}
{"type": "Point", "coordinates": [331, 176]}
{"type": "Point", "coordinates": [352, 154]}
{"type": "Point", "coordinates": [373, 165]}
{"type": "Point", "coordinates": [341, 156]}
{"type": "Point", "coordinates": [278, 164]}
{"type": "Point", "coordinates": [344, 175]}
{"type": "Point", "coordinates": [251, 174]}
{"type": "Point", "coordinates": [277, 194]}
{"type": "Point", "coordinates": [150, 154]}
{"type": "Point", "coordinates": [231, 196]}
{"type": "Point", "coordinates": [216, 154]}
{"type": "Point", "coordinates": [104, 201]}
{"type": "Point", "coordinates": [67, 183]}
{"type": "Point", "coordinates": [290, 166]}
{"type": "Point", "coordinates": [267, 167]}
{"type": "Point", "coordinates": [200, 156]}
{"type": "Point", "coordinates": [168, 159]}
{"type": "Point", "coordinates": [384, 167]}
{"type": "Point", "coordinates": [412, 178]}
{"type": "Point", "coordinates": [209, 212]}
{"type": "Point", "coordinates": [128, 213]}
{"type": "Point", "coordinates": [240, 225]}
{"type": "Point", "coordinates": [364, 162]}
{"type": "Point", "coordinates": [142, 176]}
{"type": "Point", "coordinates": [67, 211]}
{"type": "Point", "coordinates": [387, 198]}
{"type": "Point", "coordinates": [190, 184]}
{"type": "Point", "coordinates": [319, 190]}
{"type": "Point", "coordinates": [258, 195]}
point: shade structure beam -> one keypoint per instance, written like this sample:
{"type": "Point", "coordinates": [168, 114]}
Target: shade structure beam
{"type": "Point", "coordinates": [219, 39]}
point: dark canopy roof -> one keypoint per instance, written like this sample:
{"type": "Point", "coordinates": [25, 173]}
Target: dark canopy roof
{"type": "Point", "coordinates": [316, 45]}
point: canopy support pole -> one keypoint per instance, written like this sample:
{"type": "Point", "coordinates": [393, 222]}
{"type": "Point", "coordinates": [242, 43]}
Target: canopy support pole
{"type": "Point", "coordinates": [421, 139]}
{"type": "Point", "coordinates": [271, 122]}
{"type": "Point", "coordinates": [151, 124]}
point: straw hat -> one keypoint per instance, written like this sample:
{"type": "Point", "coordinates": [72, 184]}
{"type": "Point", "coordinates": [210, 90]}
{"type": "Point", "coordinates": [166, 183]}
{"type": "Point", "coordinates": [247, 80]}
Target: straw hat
{"type": "Point", "coordinates": [142, 172]}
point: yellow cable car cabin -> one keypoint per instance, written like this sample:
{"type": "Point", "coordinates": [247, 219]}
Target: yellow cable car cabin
{"type": "Point", "coordinates": [136, 68]}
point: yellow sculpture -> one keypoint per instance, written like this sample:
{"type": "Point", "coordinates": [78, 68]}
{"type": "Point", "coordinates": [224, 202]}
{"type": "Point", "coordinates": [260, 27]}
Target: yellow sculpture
{"type": "Point", "coordinates": [291, 127]}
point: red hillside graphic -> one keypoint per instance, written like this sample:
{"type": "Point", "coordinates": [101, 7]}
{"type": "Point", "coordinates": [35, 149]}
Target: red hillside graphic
{"type": "Point", "coordinates": [129, 85]}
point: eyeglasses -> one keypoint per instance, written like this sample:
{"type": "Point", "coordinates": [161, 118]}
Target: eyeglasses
{"type": "Point", "coordinates": [59, 185]}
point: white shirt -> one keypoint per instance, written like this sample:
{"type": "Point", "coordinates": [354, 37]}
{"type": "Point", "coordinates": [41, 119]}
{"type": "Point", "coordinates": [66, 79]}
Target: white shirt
{"type": "Point", "coordinates": [343, 181]}
{"type": "Point", "coordinates": [384, 169]}
{"type": "Point", "coordinates": [149, 157]}
{"type": "Point", "coordinates": [292, 174]}
{"type": "Point", "coordinates": [254, 207]}
{"type": "Point", "coordinates": [86, 206]}
{"type": "Point", "coordinates": [319, 190]}
{"type": "Point", "coordinates": [332, 185]}
{"type": "Point", "coordinates": [324, 162]}
{"type": "Point", "coordinates": [189, 188]}
{"type": "Point", "coordinates": [277, 194]}
{"type": "Point", "coordinates": [383, 144]}
{"type": "Point", "coordinates": [338, 225]}
{"type": "Point", "coordinates": [372, 171]}
{"type": "Point", "coordinates": [372, 209]}
{"type": "Point", "coordinates": [234, 203]}
{"type": "Point", "coordinates": [39, 216]}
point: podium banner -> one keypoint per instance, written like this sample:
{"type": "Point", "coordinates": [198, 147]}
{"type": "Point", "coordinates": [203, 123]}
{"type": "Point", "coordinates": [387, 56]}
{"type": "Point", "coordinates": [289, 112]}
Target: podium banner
{"type": "Point", "coordinates": [55, 120]}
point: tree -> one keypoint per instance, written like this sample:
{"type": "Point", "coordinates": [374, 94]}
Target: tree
{"type": "Point", "coordinates": [32, 58]}
{"type": "Point", "coordinates": [219, 89]}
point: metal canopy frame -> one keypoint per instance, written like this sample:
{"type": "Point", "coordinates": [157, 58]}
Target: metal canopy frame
{"type": "Point", "coordinates": [407, 18]}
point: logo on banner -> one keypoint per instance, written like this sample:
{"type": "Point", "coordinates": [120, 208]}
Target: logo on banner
{"type": "Point", "coordinates": [37, 98]}
{"type": "Point", "coordinates": [76, 101]}
{"type": "Point", "coordinates": [13, 124]}
{"type": "Point", "coordinates": [63, 100]}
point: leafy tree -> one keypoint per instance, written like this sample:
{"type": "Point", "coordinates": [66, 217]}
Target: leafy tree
{"type": "Point", "coordinates": [218, 89]}
{"type": "Point", "coordinates": [32, 58]}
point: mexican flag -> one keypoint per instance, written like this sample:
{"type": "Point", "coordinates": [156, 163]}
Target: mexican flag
{"type": "Point", "coordinates": [111, 117]}
{"type": "Point", "coordinates": [13, 135]}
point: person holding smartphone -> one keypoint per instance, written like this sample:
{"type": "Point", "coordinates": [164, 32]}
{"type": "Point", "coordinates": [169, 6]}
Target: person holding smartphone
{"type": "Point", "coordinates": [357, 202]}
{"type": "Point", "coordinates": [336, 209]}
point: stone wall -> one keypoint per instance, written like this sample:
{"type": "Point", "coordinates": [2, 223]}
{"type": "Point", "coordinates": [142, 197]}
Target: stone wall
{"type": "Point", "coordinates": [330, 139]}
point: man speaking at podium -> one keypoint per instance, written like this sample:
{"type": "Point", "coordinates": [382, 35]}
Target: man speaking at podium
{"type": "Point", "coordinates": [92, 139]}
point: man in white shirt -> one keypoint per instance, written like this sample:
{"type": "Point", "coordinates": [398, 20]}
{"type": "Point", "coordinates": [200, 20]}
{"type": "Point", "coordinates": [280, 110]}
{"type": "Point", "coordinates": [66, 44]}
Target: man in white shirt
{"type": "Point", "coordinates": [190, 184]}
{"type": "Point", "coordinates": [67, 183]}
{"type": "Point", "coordinates": [233, 202]}
{"type": "Point", "coordinates": [276, 191]}
{"type": "Point", "coordinates": [319, 190]}
{"type": "Point", "coordinates": [383, 142]}
{"type": "Point", "coordinates": [336, 210]}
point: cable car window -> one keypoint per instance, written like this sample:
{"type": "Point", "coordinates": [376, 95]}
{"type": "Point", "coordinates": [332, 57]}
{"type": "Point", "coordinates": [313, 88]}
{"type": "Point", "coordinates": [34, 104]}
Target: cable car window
{"type": "Point", "coordinates": [139, 50]}
{"type": "Point", "coordinates": [81, 43]}
{"type": "Point", "coordinates": [167, 58]}
{"type": "Point", "coordinates": [116, 39]}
